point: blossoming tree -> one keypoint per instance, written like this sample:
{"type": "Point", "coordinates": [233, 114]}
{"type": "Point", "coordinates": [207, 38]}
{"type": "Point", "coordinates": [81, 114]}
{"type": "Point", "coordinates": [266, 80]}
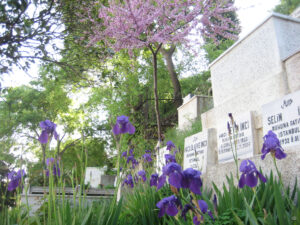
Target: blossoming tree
{"type": "Point", "coordinates": [133, 24]}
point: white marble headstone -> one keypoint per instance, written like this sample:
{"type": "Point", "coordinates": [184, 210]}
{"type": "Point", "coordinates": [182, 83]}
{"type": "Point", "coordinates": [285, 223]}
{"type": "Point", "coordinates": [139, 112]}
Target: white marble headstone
{"type": "Point", "coordinates": [283, 118]}
{"type": "Point", "coordinates": [195, 151]}
{"type": "Point", "coordinates": [244, 137]}
{"type": "Point", "coordinates": [161, 161]}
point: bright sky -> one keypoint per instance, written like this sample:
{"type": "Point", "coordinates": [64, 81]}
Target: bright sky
{"type": "Point", "coordinates": [253, 12]}
{"type": "Point", "coordinates": [250, 13]}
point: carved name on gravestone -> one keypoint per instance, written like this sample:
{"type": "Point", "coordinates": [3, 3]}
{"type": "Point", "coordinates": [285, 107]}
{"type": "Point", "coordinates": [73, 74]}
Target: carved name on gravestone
{"type": "Point", "coordinates": [244, 137]}
{"type": "Point", "coordinates": [195, 151]}
{"type": "Point", "coordinates": [161, 161]}
{"type": "Point", "coordinates": [283, 118]}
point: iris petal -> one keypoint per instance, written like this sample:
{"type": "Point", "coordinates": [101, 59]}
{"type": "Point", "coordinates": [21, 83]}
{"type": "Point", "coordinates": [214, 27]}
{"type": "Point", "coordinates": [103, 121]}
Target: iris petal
{"type": "Point", "coordinates": [279, 154]}
{"type": "Point", "coordinates": [43, 138]}
{"type": "Point", "coordinates": [172, 209]}
{"type": "Point", "coordinates": [195, 185]}
{"type": "Point", "coordinates": [13, 184]}
{"type": "Point", "coordinates": [196, 221]}
{"type": "Point", "coordinates": [242, 181]}
{"type": "Point", "coordinates": [203, 206]}
{"type": "Point", "coordinates": [243, 166]}
{"type": "Point", "coordinates": [175, 179]}
{"type": "Point", "coordinates": [130, 128]}
{"type": "Point", "coordinates": [261, 177]}
{"type": "Point", "coordinates": [251, 180]}
{"type": "Point", "coordinates": [116, 129]}
{"type": "Point", "coordinates": [161, 212]}
{"type": "Point", "coordinates": [161, 181]}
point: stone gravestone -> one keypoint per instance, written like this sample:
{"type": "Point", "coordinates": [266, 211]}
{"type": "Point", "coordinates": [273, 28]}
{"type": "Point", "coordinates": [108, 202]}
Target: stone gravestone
{"type": "Point", "coordinates": [245, 139]}
{"type": "Point", "coordinates": [161, 161]}
{"type": "Point", "coordinates": [195, 151]}
{"type": "Point", "coordinates": [283, 118]}
{"type": "Point", "coordinates": [93, 176]}
{"type": "Point", "coordinates": [199, 150]}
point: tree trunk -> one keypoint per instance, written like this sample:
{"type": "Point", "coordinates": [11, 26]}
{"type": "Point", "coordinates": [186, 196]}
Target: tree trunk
{"type": "Point", "coordinates": [154, 58]}
{"type": "Point", "coordinates": [168, 53]}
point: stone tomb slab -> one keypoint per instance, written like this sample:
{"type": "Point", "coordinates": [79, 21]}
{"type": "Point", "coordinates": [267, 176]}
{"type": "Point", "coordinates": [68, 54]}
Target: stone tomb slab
{"type": "Point", "coordinates": [195, 152]}
{"type": "Point", "coordinates": [199, 150]}
{"type": "Point", "coordinates": [283, 118]}
{"type": "Point", "coordinates": [161, 161]}
{"type": "Point", "coordinates": [245, 139]}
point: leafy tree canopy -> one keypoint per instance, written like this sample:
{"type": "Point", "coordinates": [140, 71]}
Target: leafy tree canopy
{"type": "Point", "coordinates": [287, 6]}
{"type": "Point", "coordinates": [28, 30]}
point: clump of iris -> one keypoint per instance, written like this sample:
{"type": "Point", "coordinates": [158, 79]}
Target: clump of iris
{"type": "Point", "coordinates": [15, 179]}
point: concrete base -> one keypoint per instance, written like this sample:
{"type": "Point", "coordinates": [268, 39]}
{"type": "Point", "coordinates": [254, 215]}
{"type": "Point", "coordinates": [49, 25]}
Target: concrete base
{"type": "Point", "coordinates": [289, 168]}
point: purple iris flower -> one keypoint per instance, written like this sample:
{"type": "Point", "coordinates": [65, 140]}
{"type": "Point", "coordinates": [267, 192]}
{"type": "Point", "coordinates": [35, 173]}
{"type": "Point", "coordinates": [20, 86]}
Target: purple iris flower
{"type": "Point", "coordinates": [128, 181]}
{"type": "Point", "coordinates": [272, 144]}
{"type": "Point", "coordinates": [48, 129]}
{"type": "Point", "coordinates": [124, 154]}
{"type": "Point", "coordinates": [148, 151]}
{"type": "Point", "coordinates": [142, 174]}
{"type": "Point", "coordinates": [147, 157]}
{"type": "Point", "coordinates": [133, 161]}
{"type": "Point", "coordinates": [204, 209]}
{"type": "Point", "coordinates": [249, 174]}
{"type": "Point", "coordinates": [123, 126]}
{"type": "Point", "coordinates": [185, 209]}
{"type": "Point", "coordinates": [196, 221]}
{"type": "Point", "coordinates": [15, 179]}
{"type": "Point", "coordinates": [168, 206]}
{"type": "Point", "coordinates": [154, 180]}
{"type": "Point", "coordinates": [130, 159]}
{"type": "Point", "coordinates": [191, 179]}
{"type": "Point", "coordinates": [173, 170]}
{"type": "Point", "coordinates": [170, 158]}
{"type": "Point", "coordinates": [131, 151]}
{"type": "Point", "coordinates": [170, 145]}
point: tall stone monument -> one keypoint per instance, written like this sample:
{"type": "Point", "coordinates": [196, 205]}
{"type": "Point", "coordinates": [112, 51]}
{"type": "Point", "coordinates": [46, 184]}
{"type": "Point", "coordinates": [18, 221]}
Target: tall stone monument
{"type": "Point", "coordinates": [252, 80]}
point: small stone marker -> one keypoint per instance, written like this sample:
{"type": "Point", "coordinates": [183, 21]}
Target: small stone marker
{"type": "Point", "coordinates": [283, 118]}
{"type": "Point", "coordinates": [245, 141]}
{"type": "Point", "coordinates": [161, 161]}
{"type": "Point", "coordinates": [195, 151]}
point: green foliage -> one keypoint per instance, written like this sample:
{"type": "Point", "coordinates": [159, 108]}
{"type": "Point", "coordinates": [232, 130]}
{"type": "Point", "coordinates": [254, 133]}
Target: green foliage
{"type": "Point", "coordinates": [178, 136]}
{"type": "Point", "coordinates": [139, 206]}
{"type": "Point", "coordinates": [97, 213]}
{"type": "Point", "coordinates": [266, 205]}
{"type": "Point", "coordinates": [198, 84]}
{"type": "Point", "coordinates": [24, 107]}
{"type": "Point", "coordinates": [28, 31]}
{"type": "Point", "coordinates": [287, 6]}
{"type": "Point", "coordinates": [213, 51]}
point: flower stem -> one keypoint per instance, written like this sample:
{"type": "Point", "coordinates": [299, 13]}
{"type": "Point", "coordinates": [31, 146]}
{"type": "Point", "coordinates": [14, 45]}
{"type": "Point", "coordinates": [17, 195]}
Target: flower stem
{"type": "Point", "coordinates": [281, 183]}
{"type": "Point", "coordinates": [277, 170]}
{"type": "Point", "coordinates": [254, 191]}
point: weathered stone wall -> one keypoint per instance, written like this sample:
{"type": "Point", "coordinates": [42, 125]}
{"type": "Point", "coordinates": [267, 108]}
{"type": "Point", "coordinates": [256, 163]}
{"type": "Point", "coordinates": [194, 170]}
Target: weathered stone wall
{"type": "Point", "coordinates": [289, 167]}
{"type": "Point", "coordinates": [261, 68]}
{"type": "Point", "coordinates": [192, 110]}
{"type": "Point", "coordinates": [292, 66]}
